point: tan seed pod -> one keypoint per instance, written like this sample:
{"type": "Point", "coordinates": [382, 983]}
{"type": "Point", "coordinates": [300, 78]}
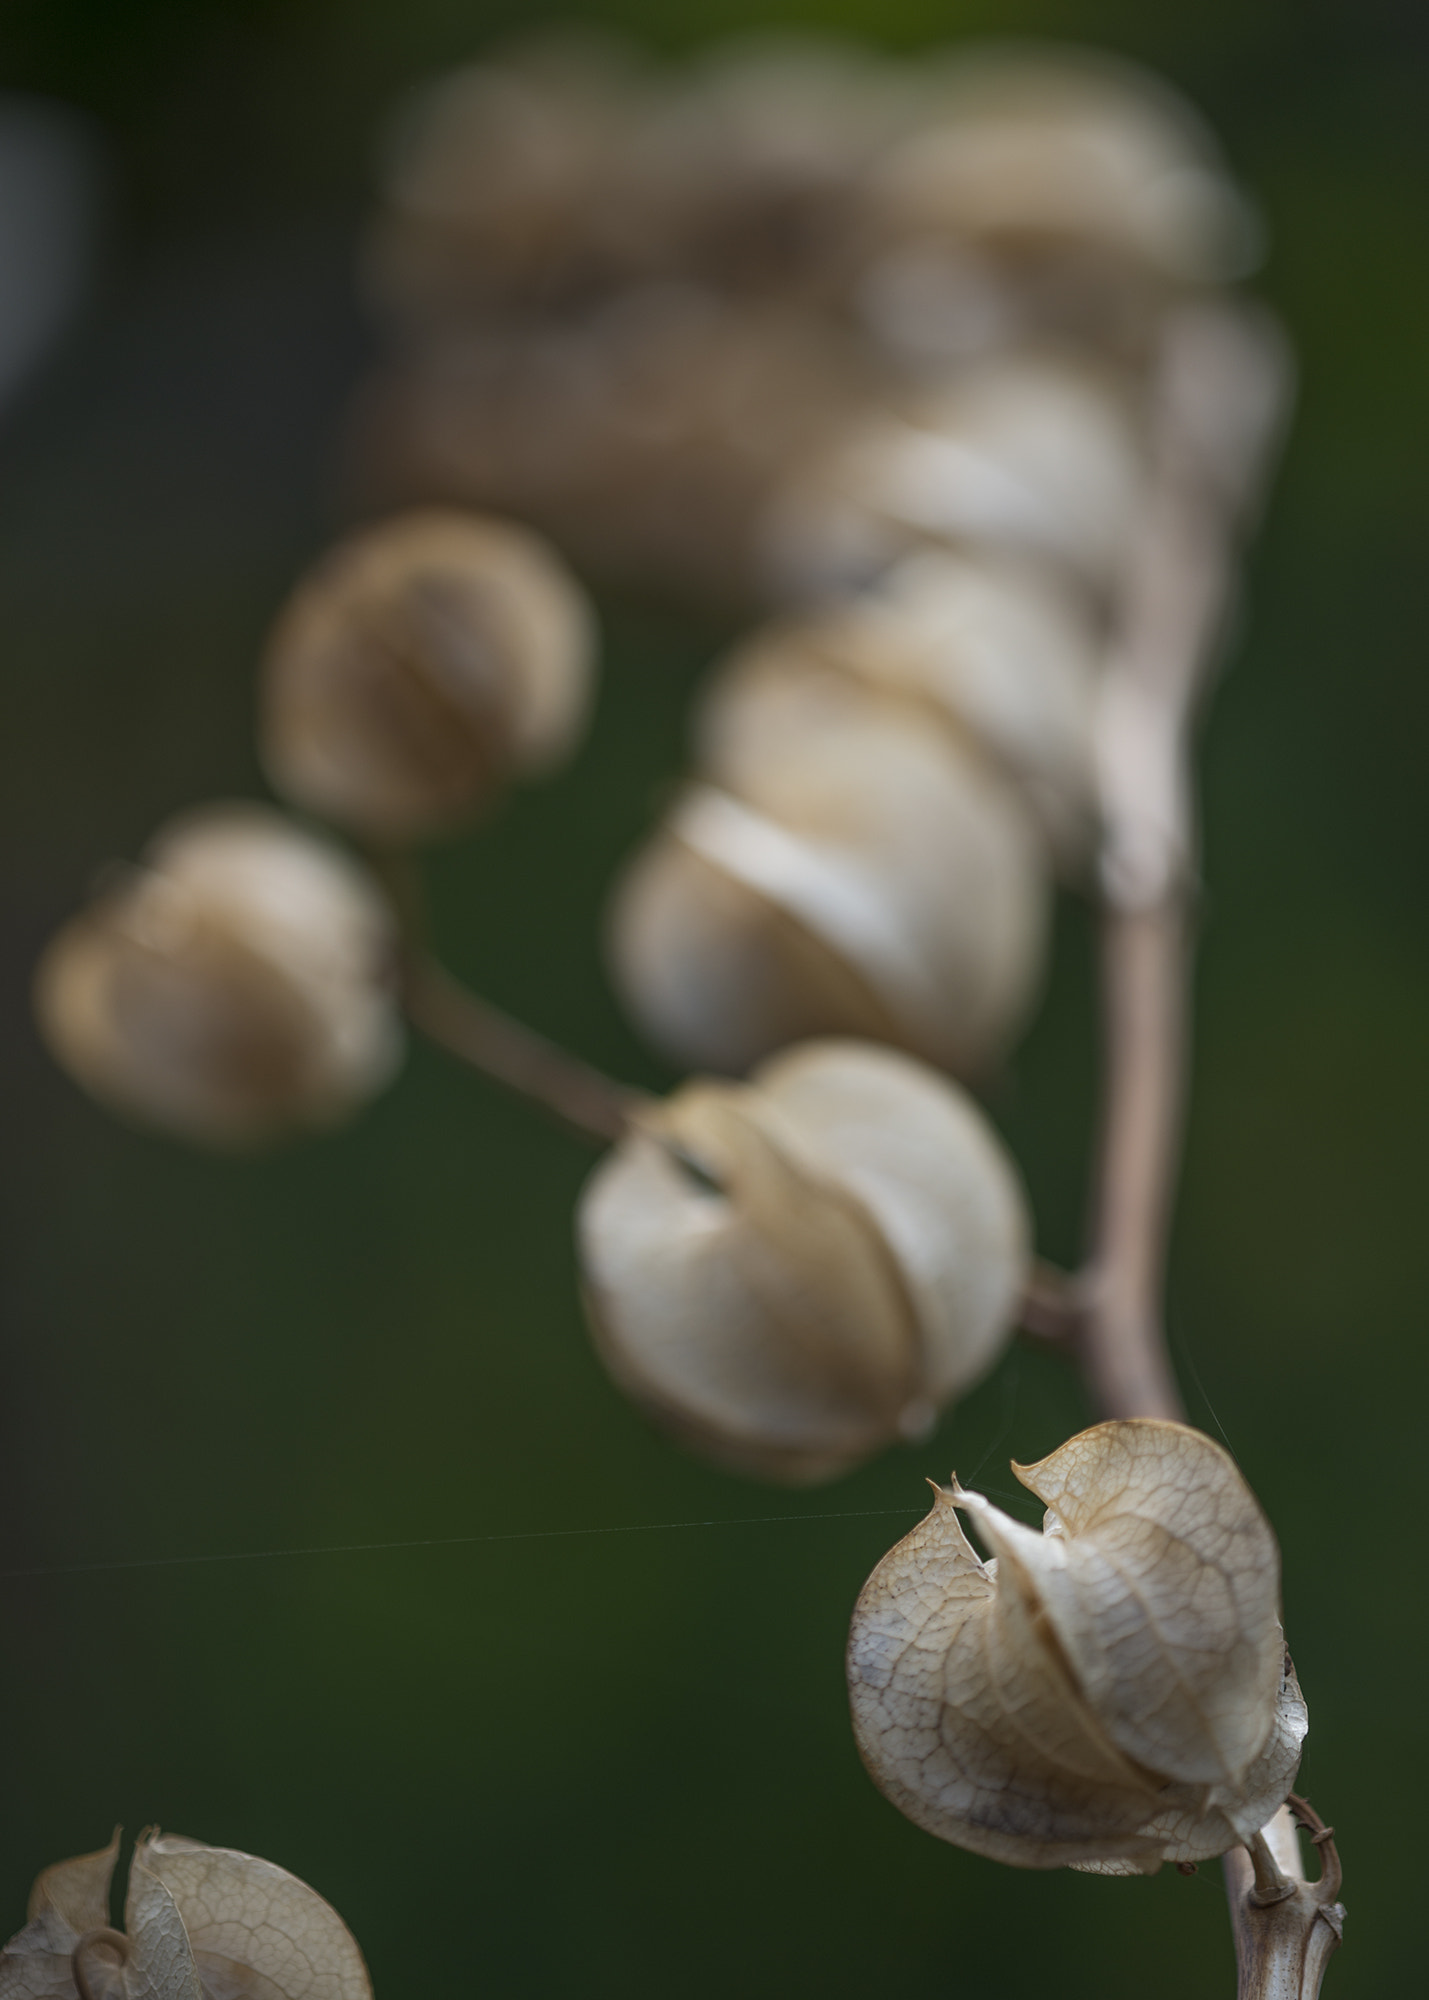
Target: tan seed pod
{"type": "Point", "coordinates": [422, 665]}
{"type": "Point", "coordinates": [995, 650]}
{"type": "Point", "coordinates": [1040, 152]}
{"type": "Point", "coordinates": [793, 1273]}
{"type": "Point", "coordinates": [1113, 1692]}
{"type": "Point", "coordinates": [1026, 455]}
{"type": "Point", "coordinates": [851, 869]}
{"type": "Point", "coordinates": [201, 1923]}
{"type": "Point", "coordinates": [237, 984]}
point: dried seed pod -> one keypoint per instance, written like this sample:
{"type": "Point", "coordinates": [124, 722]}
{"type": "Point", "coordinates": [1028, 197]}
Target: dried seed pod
{"type": "Point", "coordinates": [851, 869]}
{"type": "Point", "coordinates": [1113, 1692]}
{"type": "Point", "coordinates": [510, 180]}
{"type": "Point", "coordinates": [200, 1922]}
{"type": "Point", "coordinates": [1045, 190]}
{"type": "Point", "coordinates": [1027, 455]}
{"type": "Point", "coordinates": [793, 1273]}
{"type": "Point", "coordinates": [995, 651]}
{"type": "Point", "coordinates": [419, 667]}
{"type": "Point", "coordinates": [235, 985]}
{"type": "Point", "coordinates": [644, 432]}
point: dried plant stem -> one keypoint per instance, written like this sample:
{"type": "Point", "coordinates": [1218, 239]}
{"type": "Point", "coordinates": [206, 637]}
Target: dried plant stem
{"type": "Point", "coordinates": [1220, 391]}
{"type": "Point", "coordinates": [482, 1036]}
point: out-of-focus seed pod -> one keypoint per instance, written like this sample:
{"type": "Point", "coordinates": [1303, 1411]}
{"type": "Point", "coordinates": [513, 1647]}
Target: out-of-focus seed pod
{"type": "Point", "coordinates": [419, 667]}
{"type": "Point", "coordinates": [851, 867]}
{"type": "Point", "coordinates": [793, 1273]}
{"type": "Point", "coordinates": [644, 432]}
{"type": "Point", "coordinates": [997, 652]}
{"type": "Point", "coordinates": [1045, 190]}
{"type": "Point", "coordinates": [1110, 1693]}
{"type": "Point", "coordinates": [1025, 455]}
{"type": "Point", "coordinates": [199, 1922]}
{"type": "Point", "coordinates": [511, 181]}
{"type": "Point", "coordinates": [236, 985]}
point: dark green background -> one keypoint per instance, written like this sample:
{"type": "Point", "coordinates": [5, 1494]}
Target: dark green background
{"type": "Point", "coordinates": [620, 1763]}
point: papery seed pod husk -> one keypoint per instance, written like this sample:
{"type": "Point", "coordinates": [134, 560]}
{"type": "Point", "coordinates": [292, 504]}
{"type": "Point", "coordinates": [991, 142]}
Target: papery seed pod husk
{"type": "Point", "coordinates": [793, 1273]}
{"type": "Point", "coordinates": [996, 651]}
{"type": "Point", "coordinates": [1025, 455]}
{"type": "Point", "coordinates": [1046, 190]}
{"type": "Point", "coordinates": [643, 432]}
{"type": "Point", "coordinates": [755, 157]}
{"type": "Point", "coordinates": [850, 868]}
{"type": "Point", "coordinates": [201, 1923]}
{"type": "Point", "coordinates": [1113, 1691]}
{"type": "Point", "coordinates": [237, 984]}
{"type": "Point", "coordinates": [419, 668]}
{"type": "Point", "coordinates": [511, 180]}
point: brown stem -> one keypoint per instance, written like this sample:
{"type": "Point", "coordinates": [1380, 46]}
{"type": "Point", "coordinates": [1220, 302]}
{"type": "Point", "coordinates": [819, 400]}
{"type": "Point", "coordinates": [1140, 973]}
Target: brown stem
{"type": "Point", "coordinates": [1216, 402]}
{"type": "Point", "coordinates": [1286, 1929]}
{"type": "Point", "coordinates": [1220, 391]}
{"type": "Point", "coordinates": [479, 1034]}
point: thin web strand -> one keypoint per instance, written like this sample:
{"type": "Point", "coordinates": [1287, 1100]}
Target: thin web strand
{"type": "Point", "coordinates": [442, 1542]}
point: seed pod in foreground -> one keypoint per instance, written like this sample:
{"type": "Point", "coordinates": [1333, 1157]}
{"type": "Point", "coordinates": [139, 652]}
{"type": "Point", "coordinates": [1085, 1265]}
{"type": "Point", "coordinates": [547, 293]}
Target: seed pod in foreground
{"type": "Point", "coordinates": [422, 665]}
{"type": "Point", "coordinates": [852, 868]}
{"type": "Point", "coordinates": [793, 1273]}
{"type": "Point", "coordinates": [1113, 1692]}
{"type": "Point", "coordinates": [235, 985]}
{"type": "Point", "coordinates": [200, 1923]}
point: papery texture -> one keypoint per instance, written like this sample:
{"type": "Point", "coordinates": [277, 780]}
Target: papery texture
{"type": "Point", "coordinates": [421, 666]}
{"type": "Point", "coordinates": [794, 1273]}
{"type": "Point", "coordinates": [1111, 1691]}
{"type": "Point", "coordinates": [238, 982]}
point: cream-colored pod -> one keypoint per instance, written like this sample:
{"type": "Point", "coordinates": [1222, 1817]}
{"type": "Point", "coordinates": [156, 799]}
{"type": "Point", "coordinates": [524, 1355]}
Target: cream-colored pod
{"type": "Point", "coordinates": [420, 667]}
{"type": "Point", "coordinates": [1030, 455]}
{"type": "Point", "coordinates": [1110, 1693]}
{"type": "Point", "coordinates": [850, 867]}
{"type": "Point", "coordinates": [199, 1922]}
{"type": "Point", "coordinates": [236, 985]}
{"type": "Point", "coordinates": [793, 1273]}
{"type": "Point", "coordinates": [995, 649]}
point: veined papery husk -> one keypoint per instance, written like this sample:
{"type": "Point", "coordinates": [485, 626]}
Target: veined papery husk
{"type": "Point", "coordinates": [995, 649]}
{"type": "Point", "coordinates": [237, 984]}
{"type": "Point", "coordinates": [793, 1273]}
{"type": "Point", "coordinates": [850, 868]}
{"type": "Point", "coordinates": [201, 1923]}
{"type": "Point", "coordinates": [1112, 1692]}
{"type": "Point", "coordinates": [1034, 455]}
{"type": "Point", "coordinates": [422, 665]}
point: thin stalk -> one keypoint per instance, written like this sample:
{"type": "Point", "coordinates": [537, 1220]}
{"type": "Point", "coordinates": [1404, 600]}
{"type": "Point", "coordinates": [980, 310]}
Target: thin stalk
{"type": "Point", "coordinates": [470, 1028]}
{"type": "Point", "coordinates": [1218, 398]}
{"type": "Point", "coordinates": [480, 1035]}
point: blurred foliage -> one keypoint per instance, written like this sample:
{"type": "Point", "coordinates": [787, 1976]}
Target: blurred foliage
{"type": "Point", "coordinates": [621, 1761]}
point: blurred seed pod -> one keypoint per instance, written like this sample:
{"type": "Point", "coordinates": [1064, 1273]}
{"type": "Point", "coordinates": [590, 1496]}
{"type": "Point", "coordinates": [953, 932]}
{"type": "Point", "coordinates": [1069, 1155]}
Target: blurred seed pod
{"type": "Point", "coordinates": [1051, 191]}
{"type": "Point", "coordinates": [754, 159]}
{"type": "Point", "coordinates": [995, 651]}
{"type": "Point", "coordinates": [793, 1273]}
{"type": "Point", "coordinates": [510, 180]}
{"type": "Point", "coordinates": [1110, 1693]}
{"type": "Point", "coordinates": [236, 985]}
{"type": "Point", "coordinates": [643, 433]}
{"type": "Point", "coordinates": [419, 667]}
{"type": "Point", "coordinates": [1025, 455]}
{"type": "Point", "coordinates": [851, 867]}
{"type": "Point", "coordinates": [199, 1922]}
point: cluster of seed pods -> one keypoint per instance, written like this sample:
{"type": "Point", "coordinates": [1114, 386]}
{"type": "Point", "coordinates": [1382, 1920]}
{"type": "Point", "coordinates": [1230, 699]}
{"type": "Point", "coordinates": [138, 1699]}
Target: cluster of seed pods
{"type": "Point", "coordinates": [868, 350]}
